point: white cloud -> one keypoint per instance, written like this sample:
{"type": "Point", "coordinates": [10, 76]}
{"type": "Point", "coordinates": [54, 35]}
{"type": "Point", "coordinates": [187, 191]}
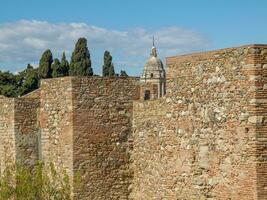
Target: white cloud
{"type": "Point", "coordinates": [24, 41]}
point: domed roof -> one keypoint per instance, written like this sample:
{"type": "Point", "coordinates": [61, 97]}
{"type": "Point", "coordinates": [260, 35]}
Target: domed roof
{"type": "Point", "coordinates": [153, 63]}
{"type": "Point", "coordinates": [153, 78]}
{"type": "Point", "coordinates": [154, 67]}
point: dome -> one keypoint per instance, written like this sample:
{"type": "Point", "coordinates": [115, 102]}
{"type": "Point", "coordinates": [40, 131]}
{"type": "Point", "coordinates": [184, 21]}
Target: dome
{"type": "Point", "coordinates": [153, 67]}
{"type": "Point", "coordinates": [153, 63]}
{"type": "Point", "coordinates": [153, 78]}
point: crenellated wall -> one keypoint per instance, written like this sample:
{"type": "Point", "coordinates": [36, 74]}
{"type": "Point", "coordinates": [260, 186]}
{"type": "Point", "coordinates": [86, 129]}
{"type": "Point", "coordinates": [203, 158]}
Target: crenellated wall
{"type": "Point", "coordinates": [207, 138]}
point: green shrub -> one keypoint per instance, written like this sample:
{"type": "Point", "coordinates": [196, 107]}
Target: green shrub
{"type": "Point", "coordinates": [43, 182]}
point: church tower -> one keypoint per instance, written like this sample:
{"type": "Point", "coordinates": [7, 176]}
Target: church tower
{"type": "Point", "coordinates": [153, 78]}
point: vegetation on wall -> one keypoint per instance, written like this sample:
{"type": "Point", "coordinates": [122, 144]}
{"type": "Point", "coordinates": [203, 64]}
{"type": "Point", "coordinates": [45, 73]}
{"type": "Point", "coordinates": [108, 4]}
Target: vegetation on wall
{"type": "Point", "coordinates": [43, 183]}
{"type": "Point", "coordinates": [28, 80]}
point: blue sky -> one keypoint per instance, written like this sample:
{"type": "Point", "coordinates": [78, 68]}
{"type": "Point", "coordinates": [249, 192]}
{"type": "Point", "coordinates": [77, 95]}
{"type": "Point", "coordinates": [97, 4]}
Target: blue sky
{"type": "Point", "coordinates": [28, 27]}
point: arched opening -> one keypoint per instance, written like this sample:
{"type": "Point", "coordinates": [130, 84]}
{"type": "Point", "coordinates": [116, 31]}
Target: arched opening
{"type": "Point", "coordinates": [151, 75]}
{"type": "Point", "coordinates": [147, 95]}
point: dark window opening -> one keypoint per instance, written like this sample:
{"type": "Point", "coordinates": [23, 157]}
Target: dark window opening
{"type": "Point", "coordinates": [151, 75]}
{"type": "Point", "coordinates": [246, 130]}
{"type": "Point", "coordinates": [147, 95]}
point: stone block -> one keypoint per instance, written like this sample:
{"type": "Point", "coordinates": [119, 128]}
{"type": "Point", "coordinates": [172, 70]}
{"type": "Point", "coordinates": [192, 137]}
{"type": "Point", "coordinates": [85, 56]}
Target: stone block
{"type": "Point", "coordinates": [256, 119]}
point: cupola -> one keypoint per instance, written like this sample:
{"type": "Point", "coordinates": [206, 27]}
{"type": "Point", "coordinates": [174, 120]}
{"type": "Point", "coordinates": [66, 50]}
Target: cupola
{"type": "Point", "coordinates": [153, 78]}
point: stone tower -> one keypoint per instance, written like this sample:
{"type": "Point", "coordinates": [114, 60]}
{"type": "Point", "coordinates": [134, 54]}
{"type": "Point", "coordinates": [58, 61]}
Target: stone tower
{"type": "Point", "coordinates": [153, 78]}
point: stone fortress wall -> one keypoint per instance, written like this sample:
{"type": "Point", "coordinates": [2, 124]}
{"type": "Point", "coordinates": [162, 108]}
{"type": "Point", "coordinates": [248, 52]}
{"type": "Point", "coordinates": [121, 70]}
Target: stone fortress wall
{"type": "Point", "coordinates": [81, 124]}
{"type": "Point", "coordinates": [102, 128]}
{"type": "Point", "coordinates": [26, 127]}
{"type": "Point", "coordinates": [206, 139]}
{"type": "Point", "coordinates": [19, 130]}
{"type": "Point", "coordinates": [7, 142]}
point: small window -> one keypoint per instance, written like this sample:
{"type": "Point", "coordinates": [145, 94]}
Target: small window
{"type": "Point", "coordinates": [147, 95]}
{"type": "Point", "coordinates": [151, 75]}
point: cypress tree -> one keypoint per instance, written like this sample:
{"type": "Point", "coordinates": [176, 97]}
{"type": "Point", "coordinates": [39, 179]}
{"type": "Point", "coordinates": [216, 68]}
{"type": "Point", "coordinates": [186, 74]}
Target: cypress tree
{"type": "Point", "coordinates": [80, 64]}
{"type": "Point", "coordinates": [46, 60]}
{"type": "Point", "coordinates": [108, 67]}
{"type": "Point", "coordinates": [57, 70]}
{"type": "Point", "coordinates": [123, 73]}
{"type": "Point", "coordinates": [107, 63]}
{"type": "Point", "coordinates": [29, 67]}
{"type": "Point", "coordinates": [64, 65]}
{"type": "Point", "coordinates": [90, 71]}
{"type": "Point", "coordinates": [111, 70]}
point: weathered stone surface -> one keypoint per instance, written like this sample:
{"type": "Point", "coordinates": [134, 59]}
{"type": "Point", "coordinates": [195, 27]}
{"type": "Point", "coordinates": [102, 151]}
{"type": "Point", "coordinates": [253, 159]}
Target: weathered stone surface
{"type": "Point", "coordinates": [102, 129]}
{"type": "Point", "coordinates": [81, 124]}
{"type": "Point", "coordinates": [7, 141]}
{"type": "Point", "coordinates": [256, 119]}
{"type": "Point", "coordinates": [56, 123]}
{"type": "Point", "coordinates": [204, 140]}
{"type": "Point", "coordinates": [88, 123]}
{"type": "Point", "coordinates": [27, 134]}
{"type": "Point", "coordinates": [19, 130]}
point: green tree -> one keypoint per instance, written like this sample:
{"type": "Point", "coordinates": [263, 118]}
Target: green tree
{"type": "Point", "coordinates": [111, 70]}
{"type": "Point", "coordinates": [80, 64]}
{"type": "Point", "coordinates": [107, 63]}
{"type": "Point", "coordinates": [28, 80]}
{"type": "Point", "coordinates": [9, 84]}
{"type": "Point", "coordinates": [108, 67]}
{"type": "Point", "coordinates": [56, 69]}
{"type": "Point", "coordinates": [20, 84]}
{"type": "Point", "coordinates": [45, 63]}
{"type": "Point", "coordinates": [123, 73]}
{"type": "Point", "coordinates": [65, 65]}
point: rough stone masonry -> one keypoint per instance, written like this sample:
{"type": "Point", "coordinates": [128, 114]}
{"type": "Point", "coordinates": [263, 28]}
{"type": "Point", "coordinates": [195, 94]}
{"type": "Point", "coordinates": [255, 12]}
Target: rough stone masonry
{"type": "Point", "coordinates": [205, 139]}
